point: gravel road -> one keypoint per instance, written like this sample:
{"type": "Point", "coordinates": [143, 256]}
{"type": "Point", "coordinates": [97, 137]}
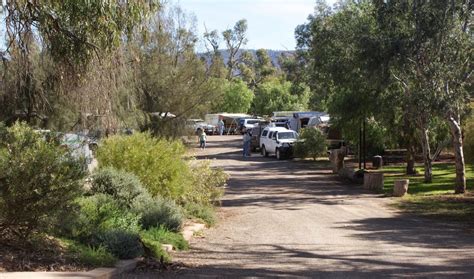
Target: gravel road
{"type": "Point", "coordinates": [294, 219]}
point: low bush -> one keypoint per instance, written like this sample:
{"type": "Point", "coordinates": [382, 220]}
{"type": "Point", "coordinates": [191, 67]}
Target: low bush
{"type": "Point", "coordinates": [156, 212]}
{"type": "Point", "coordinates": [208, 185]}
{"type": "Point", "coordinates": [122, 244]}
{"type": "Point", "coordinates": [156, 162]}
{"type": "Point", "coordinates": [100, 213]}
{"type": "Point", "coordinates": [38, 181]}
{"type": "Point", "coordinates": [204, 213]}
{"type": "Point", "coordinates": [88, 255]}
{"type": "Point", "coordinates": [312, 143]}
{"type": "Point", "coordinates": [153, 249]}
{"type": "Point", "coordinates": [122, 186]}
{"type": "Point", "coordinates": [96, 256]}
{"type": "Point", "coordinates": [165, 236]}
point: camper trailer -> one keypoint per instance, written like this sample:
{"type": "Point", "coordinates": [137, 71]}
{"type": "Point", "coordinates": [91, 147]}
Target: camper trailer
{"type": "Point", "coordinates": [281, 118]}
{"type": "Point", "coordinates": [301, 119]}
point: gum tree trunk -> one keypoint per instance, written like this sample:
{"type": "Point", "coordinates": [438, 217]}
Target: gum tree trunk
{"type": "Point", "coordinates": [410, 170]}
{"type": "Point", "coordinates": [460, 183]}
{"type": "Point", "coordinates": [425, 143]}
{"type": "Point", "coordinates": [409, 137]}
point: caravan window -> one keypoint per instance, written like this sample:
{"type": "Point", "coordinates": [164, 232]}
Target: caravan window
{"type": "Point", "coordinates": [304, 122]}
{"type": "Point", "coordinates": [270, 135]}
{"type": "Point", "coordinates": [265, 133]}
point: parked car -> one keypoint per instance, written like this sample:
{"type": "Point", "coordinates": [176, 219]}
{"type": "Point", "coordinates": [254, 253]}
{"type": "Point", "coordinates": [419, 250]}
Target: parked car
{"type": "Point", "coordinates": [277, 140]}
{"type": "Point", "coordinates": [196, 124]}
{"type": "Point", "coordinates": [248, 123]}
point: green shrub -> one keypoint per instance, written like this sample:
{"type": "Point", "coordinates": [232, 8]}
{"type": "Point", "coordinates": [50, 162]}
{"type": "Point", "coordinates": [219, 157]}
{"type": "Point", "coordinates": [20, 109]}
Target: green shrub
{"type": "Point", "coordinates": [122, 244]}
{"type": "Point", "coordinates": [153, 249]}
{"type": "Point", "coordinates": [165, 236]}
{"type": "Point", "coordinates": [38, 181]}
{"type": "Point", "coordinates": [156, 212]}
{"type": "Point", "coordinates": [158, 163]}
{"type": "Point", "coordinates": [88, 255]}
{"type": "Point", "coordinates": [99, 213]}
{"type": "Point", "coordinates": [208, 185]}
{"type": "Point", "coordinates": [96, 256]}
{"type": "Point", "coordinates": [202, 212]}
{"type": "Point", "coordinates": [312, 143]}
{"type": "Point", "coordinates": [124, 187]}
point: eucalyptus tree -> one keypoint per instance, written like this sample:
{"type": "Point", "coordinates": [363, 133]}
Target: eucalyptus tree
{"type": "Point", "coordinates": [431, 54]}
{"type": "Point", "coordinates": [275, 94]}
{"type": "Point", "coordinates": [215, 61]}
{"type": "Point", "coordinates": [236, 97]}
{"type": "Point", "coordinates": [170, 77]}
{"type": "Point", "coordinates": [345, 63]}
{"type": "Point", "coordinates": [256, 69]}
{"type": "Point", "coordinates": [73, 30]}
{"type": "Point", "coordinates": [66, 33]}
{"type": "Point", "coordinates": [234, 40]}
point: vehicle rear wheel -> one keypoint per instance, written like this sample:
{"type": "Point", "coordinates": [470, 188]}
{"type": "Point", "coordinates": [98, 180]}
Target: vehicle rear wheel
{"type": "Point", "coordinates": [264, 151]}
{"type": "Point", "coordinates": [278, 154]}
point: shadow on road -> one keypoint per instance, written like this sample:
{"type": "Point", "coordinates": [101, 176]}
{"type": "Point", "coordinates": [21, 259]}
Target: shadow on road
{"type": "Point", "coordinates": [411, 232]}
{"type": "Point", "coordinates": [341, 231]}
{"type": "Point", "coordinates": [353, 263]}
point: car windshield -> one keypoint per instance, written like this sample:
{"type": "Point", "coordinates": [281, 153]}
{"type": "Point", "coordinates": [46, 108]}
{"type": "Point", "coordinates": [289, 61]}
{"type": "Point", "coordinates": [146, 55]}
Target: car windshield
{"type": "Point", "coordinates": [286, 135]}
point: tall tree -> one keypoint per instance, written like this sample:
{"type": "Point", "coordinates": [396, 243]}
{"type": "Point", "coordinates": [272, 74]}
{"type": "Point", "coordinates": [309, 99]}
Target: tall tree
{"type": "Point", "coordinates": [234, 39]}
{"type": "Point", "coordinates": [213, 57]}
{"type": "Point", "coordinates": [71, 34]}
{"type": "Point", "coordinates": [236, 97]}
{"type": "Point", "coordinates": [73, 30]}
{"type": "Point", "coordinates": [170, 76]}
{"type": "Point", "coordinates": [345, 63]}
{"type": "Point", "coordinates": [254, 70]}
{"type": "Point", "coordinates": [433, 54]}
{"type": "Point", "coordinates": [276, 95]}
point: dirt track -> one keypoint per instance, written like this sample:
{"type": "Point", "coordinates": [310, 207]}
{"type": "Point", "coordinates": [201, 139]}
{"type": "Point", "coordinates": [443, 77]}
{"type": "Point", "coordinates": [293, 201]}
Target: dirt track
{"type": "Point", "coordinates": [293, 219]}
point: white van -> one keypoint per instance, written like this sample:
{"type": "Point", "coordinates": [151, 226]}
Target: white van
{"type": "Point", "coordinates": [277, 140]}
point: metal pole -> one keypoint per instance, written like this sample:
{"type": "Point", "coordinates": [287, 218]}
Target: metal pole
{"type": "Point", "coordinates": [365, 146]}
{"type": "Point", "coordinates": [360, 146]}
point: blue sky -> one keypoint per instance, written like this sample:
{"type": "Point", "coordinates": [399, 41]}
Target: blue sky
{"type": "Point", "coordinates": [271, 23]}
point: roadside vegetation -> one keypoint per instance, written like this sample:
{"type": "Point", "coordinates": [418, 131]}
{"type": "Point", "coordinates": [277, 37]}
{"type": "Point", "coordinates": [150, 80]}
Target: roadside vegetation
{"type": "Point", "coordinates": [120, 211]}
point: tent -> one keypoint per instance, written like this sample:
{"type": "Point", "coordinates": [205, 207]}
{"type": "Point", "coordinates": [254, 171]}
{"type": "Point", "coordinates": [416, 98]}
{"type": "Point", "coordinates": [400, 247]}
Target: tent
{"type": "Point", "coordinates": [231, 120]}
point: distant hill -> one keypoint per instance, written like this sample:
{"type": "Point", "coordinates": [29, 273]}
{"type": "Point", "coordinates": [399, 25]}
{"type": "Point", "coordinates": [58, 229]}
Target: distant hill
{"type": "Point", "coordinates": [274, 54]}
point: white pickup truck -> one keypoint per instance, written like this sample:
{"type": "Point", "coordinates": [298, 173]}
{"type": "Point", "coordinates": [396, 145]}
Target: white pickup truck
{"type": "Point", "coordinates": [277, 140]}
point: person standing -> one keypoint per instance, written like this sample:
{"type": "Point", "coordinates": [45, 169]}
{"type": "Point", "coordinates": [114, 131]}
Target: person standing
{"type": "Point", "coordinates": [246, 144]}
{"type": "Point", "coordinates": [202, 137]}
{"type": "Point", "coordinates": [220, 126]}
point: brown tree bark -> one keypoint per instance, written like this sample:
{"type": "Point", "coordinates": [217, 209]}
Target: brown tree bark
{"type": "Point", "coordinates": [460, 182]}
{"type": "Point", "coordinates": [410, 169]}
{"type": "Point", "coordinates": [425, 144]}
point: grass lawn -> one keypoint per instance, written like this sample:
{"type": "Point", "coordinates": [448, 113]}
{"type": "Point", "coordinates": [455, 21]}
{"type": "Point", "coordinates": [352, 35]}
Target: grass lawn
{"type": "Point", "coordinates": [436, 199]}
